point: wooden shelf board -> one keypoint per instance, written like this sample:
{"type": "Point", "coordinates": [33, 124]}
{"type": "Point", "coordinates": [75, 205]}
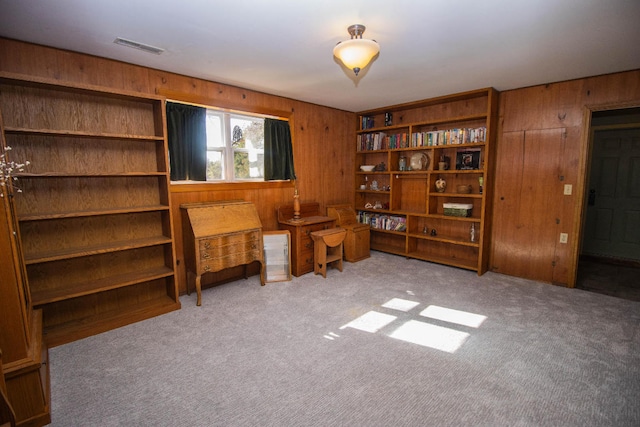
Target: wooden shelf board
{"type": "Point", "coordinates": [454, 218]}
{"type": "Point", "coordinates": [424, 147]}
{"type": "Point", "coordinates": [445, 146]}
{"type": "Point", "coordinates": [388, 249]}
{"type": "Point", "coordinates": [359, 172]}
{"type": "Point", "coordinates": [466, 195]}
{"type": "Point", "coordinates": [76, 214]}
{"type": "Point", "coordinates": [454, 262]}
{"type": "Point", "coordinates": [72, 133]}
{"type": "Point", "coordinates": [60, 85]}
{"type": "Point", "coordinates": [457, 119]}
{"type": "Point", "coordinates": [373, 191]}
{"type": "Point", "coordinates": [85, 327]}
{"type": "Point", "coordinates": [458, 171]}
{"type": "Point", "coordinates": [408, 213]}
{"type": "Point", "coordinates": [379, 230]}
{"type": "Point", "coordinates": [88, 175]}
{"type": "Point", "coordinates": [421, 174]}
{"type": "Point", "coordinates": [378, 211]}
{"type": "Point", "coordinates": [372, 151]}
{"type": "Point", "coordinates": [94, 286]}
{"type": "Point", "coordinates": [477, 93]}
{"type": "Point", "coordinates": [36, 258]}
{"type": "Point", "coordinates": [444, 239]}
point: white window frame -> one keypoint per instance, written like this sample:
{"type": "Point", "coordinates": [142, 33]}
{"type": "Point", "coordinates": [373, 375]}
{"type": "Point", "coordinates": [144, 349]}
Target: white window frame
{"type": "Point", "coordinates": [228, 151]}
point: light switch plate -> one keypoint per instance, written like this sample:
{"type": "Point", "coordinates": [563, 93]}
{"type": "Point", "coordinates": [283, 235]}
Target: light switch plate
{"type": "Point", "coordinates": [564, 237]}
{"type": "Point", "coordinates": [568, 189]}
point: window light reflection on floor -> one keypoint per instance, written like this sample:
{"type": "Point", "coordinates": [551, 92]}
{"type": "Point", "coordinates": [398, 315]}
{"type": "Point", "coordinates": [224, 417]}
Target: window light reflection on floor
{"type": "Point", "coordinates": [453, 316]}
{"type": "Point", "coordinates": [420, 332]}
{"type": "Point", "coordinates": [371, 321]}
{"type": "Point", "coordinates": [400, 304]}
{"type": "Point", "coordinates": [431, 336]}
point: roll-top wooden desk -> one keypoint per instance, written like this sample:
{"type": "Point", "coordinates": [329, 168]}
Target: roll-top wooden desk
{"type": "Point", "coordinates": [219, 235]}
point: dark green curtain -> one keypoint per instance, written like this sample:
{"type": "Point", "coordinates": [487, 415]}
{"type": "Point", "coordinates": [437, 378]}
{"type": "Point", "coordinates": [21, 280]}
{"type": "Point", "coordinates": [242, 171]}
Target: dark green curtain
{"type": "Point", "coordinates": [187, 138]}
{"type": "Point", "coordinates": [278, 150]}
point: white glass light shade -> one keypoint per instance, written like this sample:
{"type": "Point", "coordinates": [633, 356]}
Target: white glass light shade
{"type": "Point", "coordinates": [356, 54]}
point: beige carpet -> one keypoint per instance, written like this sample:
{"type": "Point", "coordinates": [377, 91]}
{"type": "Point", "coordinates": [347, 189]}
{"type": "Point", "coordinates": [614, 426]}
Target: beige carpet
{"type": "Point", "coordinates": [387, 342]}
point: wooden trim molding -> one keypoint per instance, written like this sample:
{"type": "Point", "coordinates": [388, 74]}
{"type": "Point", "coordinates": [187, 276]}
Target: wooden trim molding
{"type": "Point", "coordinates": [204, 100]}
{"type": "Point", "coordinates": [196, 186]}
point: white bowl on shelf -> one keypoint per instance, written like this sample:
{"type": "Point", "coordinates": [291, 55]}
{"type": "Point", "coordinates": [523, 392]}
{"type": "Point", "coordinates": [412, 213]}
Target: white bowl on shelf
{"type": "Point", "coordinates": [367, 168]}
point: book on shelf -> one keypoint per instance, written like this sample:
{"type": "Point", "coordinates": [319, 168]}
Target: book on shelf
{"type": "Point", "coordinates": [383, 221]}
{"type": "Point", "coordinates": [382, 141]}
{"type": "Point", "coordinates": [366, 122]}
{"type": "Point", "coordinates": [455, 136]}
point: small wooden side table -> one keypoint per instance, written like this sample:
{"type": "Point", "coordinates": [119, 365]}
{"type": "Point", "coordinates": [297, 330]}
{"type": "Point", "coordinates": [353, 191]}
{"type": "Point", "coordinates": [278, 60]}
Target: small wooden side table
{"type": "Point", "coordinates": [301, 241]}
{"type": "Point", "coordinates": [327, 249]}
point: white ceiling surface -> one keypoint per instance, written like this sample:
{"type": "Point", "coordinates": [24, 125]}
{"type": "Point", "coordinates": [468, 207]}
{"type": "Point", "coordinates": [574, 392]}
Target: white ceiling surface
{"type": "Point", "coordinates": [428, 48]}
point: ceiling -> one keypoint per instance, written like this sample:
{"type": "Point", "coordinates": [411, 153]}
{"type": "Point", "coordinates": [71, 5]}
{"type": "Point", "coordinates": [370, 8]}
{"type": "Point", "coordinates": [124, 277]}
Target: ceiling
{"type": "Point", "coordinates": [428, 48]}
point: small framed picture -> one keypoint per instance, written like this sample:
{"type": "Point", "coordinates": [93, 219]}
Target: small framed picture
{"type": "Point", "coordinates": [468, 159]}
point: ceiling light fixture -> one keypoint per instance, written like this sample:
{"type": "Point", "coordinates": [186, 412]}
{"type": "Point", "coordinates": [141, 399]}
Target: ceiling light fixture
{"type": "Point", "coordinates": [356, 53]}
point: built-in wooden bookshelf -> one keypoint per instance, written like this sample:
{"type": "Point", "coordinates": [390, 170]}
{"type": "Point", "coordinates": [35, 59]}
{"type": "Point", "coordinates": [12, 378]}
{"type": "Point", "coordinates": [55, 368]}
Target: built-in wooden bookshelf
{"type": "Point", "coordinates": [406, 143]}
{"type": "Point", "coordinates": [94, 213]}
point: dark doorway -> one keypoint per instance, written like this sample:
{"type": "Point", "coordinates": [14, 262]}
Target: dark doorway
{"type": "Point", "coordinates": [610, 252]}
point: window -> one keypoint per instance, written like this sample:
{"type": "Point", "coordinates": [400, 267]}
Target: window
{"type": "Point", "coordinates": [214, 145]}
{"type": "Point", "coordinates": [235, 146]}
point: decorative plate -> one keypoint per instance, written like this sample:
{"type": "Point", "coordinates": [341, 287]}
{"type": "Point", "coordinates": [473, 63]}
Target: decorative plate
{"type": "Point", "coordinates": [419, 161]}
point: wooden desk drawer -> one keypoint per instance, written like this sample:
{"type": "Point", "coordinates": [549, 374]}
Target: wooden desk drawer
{"type": "Point", "coordinates": [305, 250]}
{"type": "Point", "coordinates": [220, 246]}
{"type": "Point", "coordinates": [237, 258]}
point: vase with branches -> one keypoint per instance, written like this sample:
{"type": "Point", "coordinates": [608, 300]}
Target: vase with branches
{"type": "Point", "coordinates": [8, 170]}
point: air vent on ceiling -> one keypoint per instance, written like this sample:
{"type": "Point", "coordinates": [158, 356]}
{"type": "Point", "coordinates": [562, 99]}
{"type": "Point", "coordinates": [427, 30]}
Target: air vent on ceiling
{"type": "Point", "coordinates": [137, 45]}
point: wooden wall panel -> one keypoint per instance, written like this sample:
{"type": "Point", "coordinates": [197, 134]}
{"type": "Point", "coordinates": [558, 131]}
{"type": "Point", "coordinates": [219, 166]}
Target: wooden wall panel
{"type": "Point", "coordinates": [563, 105]}
{"type": "Point", "coordinates": [323, 137]}
{"type": "Point", "coordinates": [521, 247]}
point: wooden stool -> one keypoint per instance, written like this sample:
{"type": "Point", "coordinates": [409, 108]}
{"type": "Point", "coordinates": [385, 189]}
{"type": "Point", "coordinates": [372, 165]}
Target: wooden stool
{"type": "Point", "coordinates": [327, 248]}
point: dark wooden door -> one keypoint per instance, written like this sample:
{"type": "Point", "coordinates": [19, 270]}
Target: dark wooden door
{"type": "Point", "coordinates": [525, 219]}
{"type": "Point", "coordinates": [612, 226]}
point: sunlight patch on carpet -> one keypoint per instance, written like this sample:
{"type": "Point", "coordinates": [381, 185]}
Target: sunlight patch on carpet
{"type": "Point", "coordinates": [431, 336]}
{"type": "Point", "coordinates": [371, 321]}
{"type": "Point", "coordinates": [418, 330]}
{"type": "Point", "coordinates": [453, 316]}
{"type": "Point", "coordinates": [400, 304]}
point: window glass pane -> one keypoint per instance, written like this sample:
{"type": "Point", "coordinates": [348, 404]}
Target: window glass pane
{"type": "Point", "coordinates": [241, 165]}
{"type": "Point", "coordinates": [215, 165]}
{"type": "Point", "coordinates": [248, 164]}
{"type": "Point", "coordinates": [247, 138]}
{"type": "Point", "coordinates": [215, 135]}
{"type": "Point", "coordinates": [247, 132]}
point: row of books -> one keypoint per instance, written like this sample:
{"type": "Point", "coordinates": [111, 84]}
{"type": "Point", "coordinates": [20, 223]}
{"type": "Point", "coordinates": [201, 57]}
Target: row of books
{"type": "Point", "coordinates": [449, 137]}
{"type": "Point", "coordinates": [382, 221]}
{"type": "Point", "coordinates": [367, 122]}
{"type": "Point", "coordinates": [382, 141]}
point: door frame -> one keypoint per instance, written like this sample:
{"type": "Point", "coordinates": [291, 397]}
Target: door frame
{"type": "Point", "coordinates": [584, 171]}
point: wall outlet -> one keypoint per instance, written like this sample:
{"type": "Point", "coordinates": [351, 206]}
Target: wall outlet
{"type": "Point", "coordinates": [564, 237]}
{"type": "Point", "coordinates": [568, 189]}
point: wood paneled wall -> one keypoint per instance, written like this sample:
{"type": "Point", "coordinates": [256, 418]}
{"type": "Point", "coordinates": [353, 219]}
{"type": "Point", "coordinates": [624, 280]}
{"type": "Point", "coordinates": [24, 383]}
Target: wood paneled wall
{"type": "Point", "coordinates": [323, 137]}
{"type": "Point", "coordinates": [324, 151]}
{"type": "Point", "coordinates": [543, 144]}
